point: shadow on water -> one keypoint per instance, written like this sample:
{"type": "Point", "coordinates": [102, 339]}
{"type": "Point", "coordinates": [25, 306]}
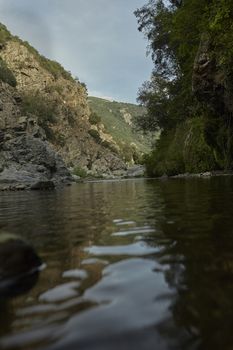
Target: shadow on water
{"type": "Point", "coordinates": [134, 264]}
{"type": "Point", "coordinates": [198, 220]}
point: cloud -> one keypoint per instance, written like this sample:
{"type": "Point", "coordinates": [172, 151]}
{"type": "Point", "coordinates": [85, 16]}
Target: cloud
{"type": "Point", "coordinates": [97, 40]}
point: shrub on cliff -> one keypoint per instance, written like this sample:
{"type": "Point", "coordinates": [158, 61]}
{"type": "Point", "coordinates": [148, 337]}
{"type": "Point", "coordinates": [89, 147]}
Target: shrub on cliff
{"type": "Point", "coordinates": [6, 74]}
{"type": "Point", "coordinates": [94, 118]}
{"type": "Point", "coordinates": [43, 108]}
{"type": "Point", "coordinates": [78, 171]}
{"type": "Point", "coordinates": [5, 35]}
{"type": "Point", "coordinates": [40, 106]}
{"type": "Point", "coordinates": [95, 134]}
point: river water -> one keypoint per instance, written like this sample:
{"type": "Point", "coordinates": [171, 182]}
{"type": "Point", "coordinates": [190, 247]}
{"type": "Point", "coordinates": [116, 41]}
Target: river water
{"type": "Point", "coordinates": [134, 264]}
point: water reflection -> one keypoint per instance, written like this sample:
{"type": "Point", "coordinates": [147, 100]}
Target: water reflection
{"type": "Point", "coordinates": [131, 264]}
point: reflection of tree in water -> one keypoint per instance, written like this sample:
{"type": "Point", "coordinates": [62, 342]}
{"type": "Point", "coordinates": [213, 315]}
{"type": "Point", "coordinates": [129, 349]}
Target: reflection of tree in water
{"type": "Point", "coordinates": [199, 256]}
{"type": "Point", "coordinates": [60, 224]}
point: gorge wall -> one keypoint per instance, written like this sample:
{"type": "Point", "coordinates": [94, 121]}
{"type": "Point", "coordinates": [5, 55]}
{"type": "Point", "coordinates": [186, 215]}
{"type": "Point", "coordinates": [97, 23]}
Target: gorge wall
{"type": "Point", "coordinates": [49, 109]}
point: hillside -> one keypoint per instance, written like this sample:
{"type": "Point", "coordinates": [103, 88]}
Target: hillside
{"type": "Point", "coordinates": [52, 107]}
{"type": "Point", "coordinates": [118, 120]}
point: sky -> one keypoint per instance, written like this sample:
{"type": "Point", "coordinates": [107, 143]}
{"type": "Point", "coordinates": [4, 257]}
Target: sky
{"type": "Point", "coordinates": [97, 40]}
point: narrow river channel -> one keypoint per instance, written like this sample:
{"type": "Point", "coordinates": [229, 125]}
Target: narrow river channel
{"type": "Point", "coordinates": [135, 264]}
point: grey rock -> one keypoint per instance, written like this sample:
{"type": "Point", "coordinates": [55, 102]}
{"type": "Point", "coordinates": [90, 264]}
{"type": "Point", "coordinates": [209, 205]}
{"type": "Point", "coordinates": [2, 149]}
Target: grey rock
{"type": "Point", "coordinates": [31, 162]}
{"type": "Point", "coordinates": [136, 171]}
{"type": "Point", "coordinates": [43, 185]}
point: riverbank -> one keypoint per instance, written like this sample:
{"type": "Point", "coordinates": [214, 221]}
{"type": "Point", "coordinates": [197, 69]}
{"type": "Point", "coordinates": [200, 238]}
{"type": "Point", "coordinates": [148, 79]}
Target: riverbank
{"type": "Point", "coordinates": [28, 182]}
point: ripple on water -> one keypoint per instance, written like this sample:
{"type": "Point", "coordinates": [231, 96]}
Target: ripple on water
{"type": "Point", "coordinates": [135, 249]}
{"type": "Point", "coordinates": [125, 223]}
{"type": "Point", "coordinates": [123, 307]}
{"type": "Point", "coordinates": [76, 273]}
{"type": "Point", "coordinates": [61, 292]}
{"type": "Point", "coordinates": [135, 231]}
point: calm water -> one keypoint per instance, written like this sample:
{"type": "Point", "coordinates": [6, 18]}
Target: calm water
{"type": "Point", "coordinates": [139, 265]}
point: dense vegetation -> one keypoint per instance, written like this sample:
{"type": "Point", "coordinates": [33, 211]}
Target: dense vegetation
{"type": "Point", "coordinates": [195, 121]}
{"type": "Point", "coordinates": [6, 74]}
{"type": "Point", "coordinates": [116, 118]}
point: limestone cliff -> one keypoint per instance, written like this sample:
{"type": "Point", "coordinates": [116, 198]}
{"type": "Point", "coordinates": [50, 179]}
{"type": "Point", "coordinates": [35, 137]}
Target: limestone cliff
{"type": "Point", "coordinates": [26, 159]}
{"type": "Point", "coordinates": [54, 105]}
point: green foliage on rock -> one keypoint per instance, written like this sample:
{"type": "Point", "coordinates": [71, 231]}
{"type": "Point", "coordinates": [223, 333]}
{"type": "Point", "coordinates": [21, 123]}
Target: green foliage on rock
{"type": "Point", "coordinates": [40, 106]}
{"type": "Point", "coordinates": [95, 134]}
{"type": "Point", "coordinates": [46, 111]}
{"type": "Point", "coordinates": [196, 125]}
{"type": "Point", "coordinates": [112, 117]}
{"type": "Point", "coordinates": [78, 171]}
{"type": "Point", "coordinates": [94, 118]}
{"type": "Point", "coordinates": [181, 150]}
{"type": "Point", "coordinates": [5, 35]}
{"type": "Point", "coordinates": [6, 74]}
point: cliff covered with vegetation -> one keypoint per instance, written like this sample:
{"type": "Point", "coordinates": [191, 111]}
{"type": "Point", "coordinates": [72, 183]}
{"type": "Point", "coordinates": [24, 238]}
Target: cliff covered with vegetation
{"type": "Point", "coordinates": [118, 119]}
{"type": "Point", "coordinates": [189, 97]}
{"type": "Point", "coordinates": [41, 100]}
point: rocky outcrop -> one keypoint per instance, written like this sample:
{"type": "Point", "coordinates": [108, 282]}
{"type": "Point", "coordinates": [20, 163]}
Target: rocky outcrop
{"type": "Point", "coordinates": [26, 159]}
{"type": "Point", "coordinates": [68, 134]}
{"type": "Point", "coordinates": [28, 162]}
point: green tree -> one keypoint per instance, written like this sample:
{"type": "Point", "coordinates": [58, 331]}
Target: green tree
{"type": "Point", "coordinates": [174, 30]}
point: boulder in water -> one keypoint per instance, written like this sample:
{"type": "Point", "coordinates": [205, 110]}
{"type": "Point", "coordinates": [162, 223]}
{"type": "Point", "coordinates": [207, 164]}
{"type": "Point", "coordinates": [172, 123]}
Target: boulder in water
{"type": "Point", "coordinates": [19, 265]}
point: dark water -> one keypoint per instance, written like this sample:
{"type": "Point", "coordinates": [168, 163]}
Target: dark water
{"type": "Point", "coordinates": [130, 265]}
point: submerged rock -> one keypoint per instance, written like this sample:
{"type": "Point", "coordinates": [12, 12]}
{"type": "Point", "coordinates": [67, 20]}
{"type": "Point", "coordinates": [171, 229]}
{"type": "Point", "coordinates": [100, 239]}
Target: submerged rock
{"type": "Point", "coordinates": [19, 265]}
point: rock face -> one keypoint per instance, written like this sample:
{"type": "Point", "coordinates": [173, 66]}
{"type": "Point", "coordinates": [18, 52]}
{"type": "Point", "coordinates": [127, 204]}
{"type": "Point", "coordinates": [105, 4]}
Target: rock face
{"type": "Point", "coordinates": [26, 159]}
{"type": "Point", "coordinates": [27, 162]}
{"type": "Point", "coordinates": [69, 131]}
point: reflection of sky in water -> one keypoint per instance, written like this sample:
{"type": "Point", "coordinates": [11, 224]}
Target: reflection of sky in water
{"type": "Point", "coordinates": [150, 282]}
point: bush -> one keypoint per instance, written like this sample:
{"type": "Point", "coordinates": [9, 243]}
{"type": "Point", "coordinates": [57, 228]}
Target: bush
{"type": "Point", "coordinates": [5, 35]}
{"type": "Point", "coordinates": [95, 134]}
{"type": "Point", "coordinates": [78, 171]}
{"type": "Point", "coordinates": [181, 150]}
{"type": "Point", "coordinates": [94, 119]}
{"type": "Point", "coordinates": [6, 74]}
{"type": "Point", "coordinates": [44, 109]}
{"type": "Point", "coordinates": [40, 106]}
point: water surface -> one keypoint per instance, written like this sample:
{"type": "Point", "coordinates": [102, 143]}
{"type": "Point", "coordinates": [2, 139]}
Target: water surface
{"type": "Point", "coordinates": [138, 264]}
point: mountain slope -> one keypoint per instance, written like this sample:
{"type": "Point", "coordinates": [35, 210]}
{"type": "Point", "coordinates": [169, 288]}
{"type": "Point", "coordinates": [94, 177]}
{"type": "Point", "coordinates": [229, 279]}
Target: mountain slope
{"type": "Point", "coordinates": [118, 120]}
{"type": "Point", "coordinates": [53, 100]}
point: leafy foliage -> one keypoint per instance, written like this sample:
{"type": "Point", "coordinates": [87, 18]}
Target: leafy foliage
{"type": "Point", "coordinates": [174, 30]}
{"type": "Point", "coordinates": [78, 171]}
{"type": "Point", "coordinates": [180, 150]}
{"type": "Point", "coordinates": [6, 74]}
{"type": "Point", "coordinates": [94, 118]}
{"type": "Point", "coordinates": [95, 134]}
{"type": "Point", "coordinates": [5, 35]}
{"type": "Point", "coordinates": [111, 114]}
{"type": "Point", "coordinates": [44, 109]}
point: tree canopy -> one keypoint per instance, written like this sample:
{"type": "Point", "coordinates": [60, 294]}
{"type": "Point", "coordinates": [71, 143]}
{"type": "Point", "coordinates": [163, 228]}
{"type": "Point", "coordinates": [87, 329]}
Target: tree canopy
{"type": "Point", "coordinates": [174, 30]}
